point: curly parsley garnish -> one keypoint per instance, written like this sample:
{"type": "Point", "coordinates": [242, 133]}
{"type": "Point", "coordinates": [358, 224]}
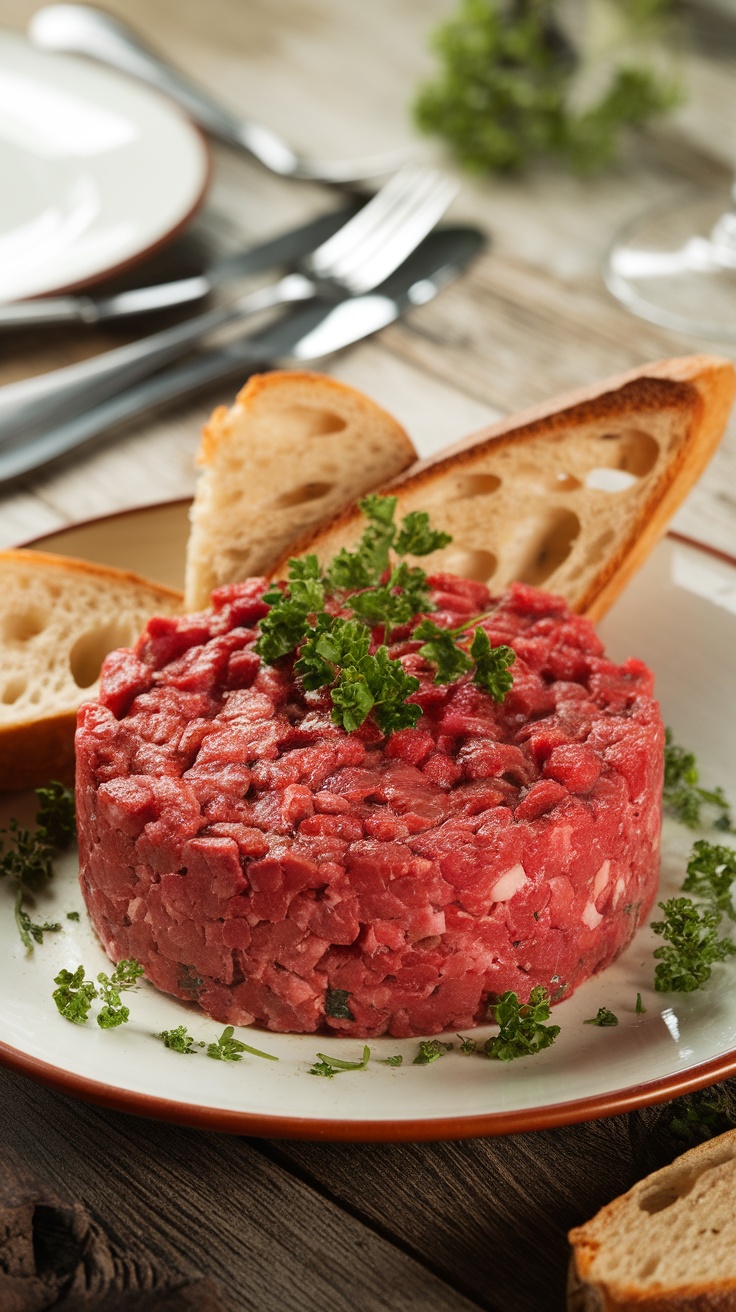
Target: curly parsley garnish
{"type": "Point", "coordinates": [691, 945]}
{"type": "Point", "coordinates": [75, 994]}
{"type": "Point", "coordinates": [711, 872]}
{"type": "Point", "coordinates": [28, 860]}
{"type": "Point", "coordinates": [522, 1030]}
{"type": "Point", "coordinates": [338, 650]}
{"type": "Point", "coordinates": [683, 798]}
{"type": "Point", "coordinates": [603, 1017]}
{"type": "Point", "coordinates": [329, 1067]}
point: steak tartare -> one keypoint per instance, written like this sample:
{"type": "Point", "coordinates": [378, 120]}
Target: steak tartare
{"type": "Point", "coordinates": [258, 859]}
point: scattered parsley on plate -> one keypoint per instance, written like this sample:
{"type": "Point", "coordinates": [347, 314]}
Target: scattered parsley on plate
{"type": "Point", "coordinates": [26, 857]}
{"type": "Point", "coordinates": [522, 1029]}
{"type": "Point", "coordinates": [328, 1066]}
{"type": "Point", "coordinates": [604, 1017]}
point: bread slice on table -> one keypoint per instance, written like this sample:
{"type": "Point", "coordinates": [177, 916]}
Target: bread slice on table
{"type": "Point", "coordinates": [668, 1245]}
{"type": "Point", "coordinates": [294, 450]}
{"type": "Point", "coordinates": [58, 620]}
{"type": "Point", "coordinates": [571, 495]}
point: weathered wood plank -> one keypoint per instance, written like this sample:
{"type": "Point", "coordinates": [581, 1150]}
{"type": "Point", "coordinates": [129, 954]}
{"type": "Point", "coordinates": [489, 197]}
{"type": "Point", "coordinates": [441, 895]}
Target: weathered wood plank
{"type": "Point", "coordinates": [185, 1203]}
{"type": "Point", "coordinates": [492, 1216]}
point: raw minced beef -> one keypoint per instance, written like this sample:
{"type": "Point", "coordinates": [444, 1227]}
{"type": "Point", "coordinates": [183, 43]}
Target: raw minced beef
{"type": "Point", "coordinates": [255, 857]}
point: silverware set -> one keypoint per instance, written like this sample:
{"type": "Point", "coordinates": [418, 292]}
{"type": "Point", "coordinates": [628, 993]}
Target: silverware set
{"type": "Point", "coordinates": [360, 268]}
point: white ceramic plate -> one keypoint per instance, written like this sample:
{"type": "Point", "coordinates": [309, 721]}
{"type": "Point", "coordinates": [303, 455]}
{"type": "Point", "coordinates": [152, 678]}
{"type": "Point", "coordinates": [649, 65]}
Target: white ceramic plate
{"type": "Point", "coordinates": [679, 615]}
{"type": "Point", "coordinates": [95, 170]}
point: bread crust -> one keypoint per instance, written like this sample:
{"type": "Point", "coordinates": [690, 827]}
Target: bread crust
{"type": "Point", "coordinates": [34, 750]}
{"type": "Point", "coordinates": [702, 386]}
{"type": "Point", "coordinates": [73, 564]}
{"type": "Point", "coordinates": [218, 429]}
{"type": "Point", "coordinates": [586, 1293]}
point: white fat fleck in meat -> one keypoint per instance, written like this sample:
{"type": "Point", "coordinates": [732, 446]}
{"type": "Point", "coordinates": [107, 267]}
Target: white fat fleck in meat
{"type": "Point", "coordinates": [602, 876]}
{"type": "Point", "coordinates": [509, 883]}
{"type": "Point", "coordinates": [590, 916]}
{"type": "Point", "coordinates": [618, 892]}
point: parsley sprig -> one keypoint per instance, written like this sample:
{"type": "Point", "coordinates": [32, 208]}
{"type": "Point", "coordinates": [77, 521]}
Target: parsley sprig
{"type": "Point", "coordinates": [26, 857]}
{"type": "Point", "coordinates": [75, 994]}
{"type": "Point", "coordinates": [522, 1030]}
{"type": "Point", "coordinates": [691, 945]}
{"type": "Point", "coordinates": [228, 1048]}
{"type": "Point", "coordinates": [335, 650]}
{"type": "Point", "coordinates": [328, 1067]}
{"type": "Point", "coordinates": [683, 798]}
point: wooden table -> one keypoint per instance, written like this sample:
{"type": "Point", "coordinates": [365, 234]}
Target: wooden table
{"type": "Point", "coordinates": [306, 1226]}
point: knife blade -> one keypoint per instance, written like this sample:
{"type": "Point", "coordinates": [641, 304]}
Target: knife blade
{"type": "Point", "coordinates": [307, 333]}
{"type": "Point", "coordinates": [285, 249]}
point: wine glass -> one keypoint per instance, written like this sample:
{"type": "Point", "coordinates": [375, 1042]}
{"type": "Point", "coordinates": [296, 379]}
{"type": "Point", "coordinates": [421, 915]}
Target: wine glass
{"type": "Point", "coordinates": [675, 265]}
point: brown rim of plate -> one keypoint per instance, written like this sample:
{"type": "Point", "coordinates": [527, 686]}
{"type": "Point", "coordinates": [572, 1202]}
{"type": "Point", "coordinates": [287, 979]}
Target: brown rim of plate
{"type": "Point", "coordinates": [113, 270]}
{"type": "Point", "coordinates": [355, 1131]}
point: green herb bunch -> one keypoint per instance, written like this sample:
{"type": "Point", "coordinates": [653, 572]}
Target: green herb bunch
{"type": "Point", "coordinates": [26, 857]}
{"type": "Point", "coordinates": [683, 798]}
{"type": "Point", "coordinates": [329, 620]}
{"type": "Point", "coordinates": [505, 92]}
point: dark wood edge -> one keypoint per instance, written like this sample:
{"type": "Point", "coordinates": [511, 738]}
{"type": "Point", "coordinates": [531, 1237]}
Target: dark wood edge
{"type": "Point", "coordinates": [112, 270]}
{"type": "Point", "coordinates": [354, 1131]}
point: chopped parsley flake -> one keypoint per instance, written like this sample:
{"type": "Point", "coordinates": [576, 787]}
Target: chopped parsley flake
{"type": "Point", "coordinates": [179, 1040]}
{"type": "Point", "coordinates": [336, 1004]}
{"type": "Point", "coordinates": [430, 1050]}
{"type": "Point", "coordinates": [640, 1008]}
{"type": "Point", "coordinates": [467, 1045]}
{"type": "Point", "coordinates": [72, 915]}
{"type": "Point", "coordinates": [396, 1060]}
{"type": "Point", "coordinates": [331, 1066]}
{"type": "Point", "coordinates": [603, 1017]}
{"type": "Point", "coordinates": [522, 1030]}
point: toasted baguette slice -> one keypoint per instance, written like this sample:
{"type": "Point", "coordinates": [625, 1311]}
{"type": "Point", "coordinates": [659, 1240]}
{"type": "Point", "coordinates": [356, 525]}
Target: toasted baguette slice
{"type": "Point", "coordinates": [293, 451]}
{"type": "Point", "coordinates": [571, 495]}
{"type": "Point", "coordinates": [668, 1245]}
{"type": "Point", "coordinates": [58, 620]}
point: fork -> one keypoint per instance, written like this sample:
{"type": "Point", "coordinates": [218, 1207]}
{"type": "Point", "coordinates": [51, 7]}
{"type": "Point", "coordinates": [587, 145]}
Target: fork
{"type": "Point", "coordinates": [352, 262]}
{"type": "Point", "coordinates": [82, 29]}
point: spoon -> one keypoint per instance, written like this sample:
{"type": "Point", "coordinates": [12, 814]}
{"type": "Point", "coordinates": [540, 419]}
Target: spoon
{"type": "Point", "coordinates": [84, 30]}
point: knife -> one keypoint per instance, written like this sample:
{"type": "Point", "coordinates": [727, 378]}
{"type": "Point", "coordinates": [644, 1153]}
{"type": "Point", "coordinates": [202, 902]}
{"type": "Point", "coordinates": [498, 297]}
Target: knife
{"type": "Point", "coordinates": [286, 249]}
{"type": "Point", "coordinates": [307, 333]}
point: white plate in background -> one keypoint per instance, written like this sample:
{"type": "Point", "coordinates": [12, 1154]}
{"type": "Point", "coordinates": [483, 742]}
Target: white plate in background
{"type": "Point", "coordinates": [95, 170]}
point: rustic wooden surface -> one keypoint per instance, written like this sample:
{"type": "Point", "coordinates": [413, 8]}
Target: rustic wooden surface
{"type": "Point", "coordinates": [306, 1226]}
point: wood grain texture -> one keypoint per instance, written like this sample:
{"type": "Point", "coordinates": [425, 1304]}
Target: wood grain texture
{"type": "Point", "coordinates": [181, 1204]}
